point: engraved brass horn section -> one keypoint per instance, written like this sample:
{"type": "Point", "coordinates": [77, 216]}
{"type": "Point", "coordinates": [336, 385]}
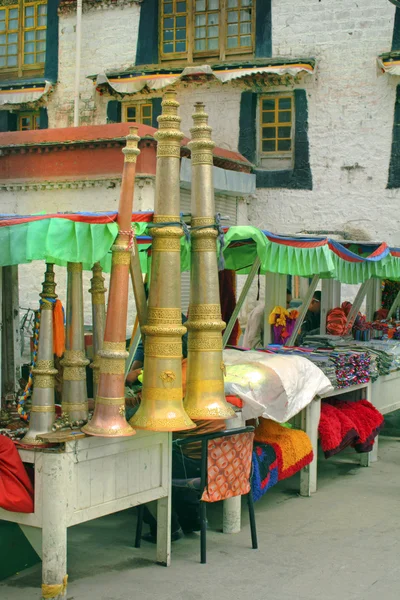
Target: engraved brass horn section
{"type": "Point", "coordinates": [161, 408]}
{"type": "Point", "coordinates": [205, 396]}
{"type": "Point", "coordinates": [109, 415]}
{"type": "Point", "coordinates": [74, 393]}
{"type": "Point", "coordinates": [98, 292]}
{"type": "Point", "coordinates": [43, 410]}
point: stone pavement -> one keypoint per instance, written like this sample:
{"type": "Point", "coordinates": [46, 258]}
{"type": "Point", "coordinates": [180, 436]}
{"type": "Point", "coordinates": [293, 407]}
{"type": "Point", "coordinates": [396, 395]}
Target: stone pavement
{"type": "Point", "coordinates": [341, 544]}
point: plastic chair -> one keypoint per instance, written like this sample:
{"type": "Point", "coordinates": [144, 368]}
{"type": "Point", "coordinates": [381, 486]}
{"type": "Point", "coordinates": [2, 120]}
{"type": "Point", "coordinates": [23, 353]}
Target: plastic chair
{"type": "Point", "coordinates": [226, 459]}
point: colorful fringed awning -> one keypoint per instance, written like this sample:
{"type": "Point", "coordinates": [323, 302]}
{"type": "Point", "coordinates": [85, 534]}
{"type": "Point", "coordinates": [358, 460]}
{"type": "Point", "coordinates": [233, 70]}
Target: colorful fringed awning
{"type": "Point", "coordinates": [22, 94]}
{"type": "Point", "coordinates": [389, 63]}
{"type": "Point", "coordinates": [88, 237]}
{"type": "Point", "coordinates": [131, 83]}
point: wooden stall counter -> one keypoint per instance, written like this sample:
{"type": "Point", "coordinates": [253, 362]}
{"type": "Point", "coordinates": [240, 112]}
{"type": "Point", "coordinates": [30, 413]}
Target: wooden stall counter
{"type": "Point", "coordinates": [90, 477]}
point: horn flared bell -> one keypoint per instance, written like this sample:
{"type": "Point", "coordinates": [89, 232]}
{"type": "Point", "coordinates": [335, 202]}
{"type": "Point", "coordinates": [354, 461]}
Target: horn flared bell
{"type": "Point", "coordinates": [162, 415]}
{"type": "Point", "coordinates": [205, 400]}
{"type": "Point", "coordinates": [109, 419]}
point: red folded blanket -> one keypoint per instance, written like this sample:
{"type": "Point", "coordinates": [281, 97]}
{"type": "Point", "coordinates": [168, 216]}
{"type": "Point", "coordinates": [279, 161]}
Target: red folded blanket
{"type": "Point", "coordinates": [345, 424]}
{"type": "Point", "coordinates": [16, 490]}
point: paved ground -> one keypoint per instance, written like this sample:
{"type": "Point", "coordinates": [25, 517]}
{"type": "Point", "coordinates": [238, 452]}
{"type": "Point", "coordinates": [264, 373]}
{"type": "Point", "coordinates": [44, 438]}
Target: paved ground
{"type": "Point", "coordinates": [341, 544]}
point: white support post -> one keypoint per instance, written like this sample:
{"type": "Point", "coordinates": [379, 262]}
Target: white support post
{"type": "Point", "coordinates": [304, 309]}
{"type": "Point", "coordinates": [374, 298]}
{"type": "Point", "coordinates": [1, 334]}
{"type": "Point", "coordinates": [394, 306]}
{"type": "Point", "coordinates": [240, 302]}
{"type": "Point", "coordinates": [164, 514]}
{"type": "Point", "coordinates": [232, 506]}
{"type": "Point", "coordinates": [11, 336]}
{"type": "Point", "coordinates": [357, 304]}
{"type": "Point", "coordinates": [275, 295]}
{"type": "Point", "coordinates": [330, 299]}
{"type": "Point", "coordinates": [309, 423]}
{"type": "Point", "coordinates": [56, 481]}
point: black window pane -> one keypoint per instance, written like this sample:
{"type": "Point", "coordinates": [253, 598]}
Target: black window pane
{"type": "Point", "coordinates": [285, 103]}
{"type": "Point", "coordinates": [269, 132]}
{"type": "Point", "coordinates": [284, 145]}
{"type": "Point", "coordinates": [268, 146]}
{"type": "Point", "coordinates": [268, 104]}
{"type": "Point", "coordinates": [268, 117]}
{"type": "Point", "coordinates": [284, 132]}
{"type": "Point", "coordinates": [285, 117]}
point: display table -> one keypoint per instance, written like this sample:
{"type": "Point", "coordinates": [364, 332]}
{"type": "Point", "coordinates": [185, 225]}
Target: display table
{"type": "Point", "coordinates": [309, 421]}
{"type": "Point", "coordinates": [90, 478]}
{"type": "Point", "coordinates": [386, 393]}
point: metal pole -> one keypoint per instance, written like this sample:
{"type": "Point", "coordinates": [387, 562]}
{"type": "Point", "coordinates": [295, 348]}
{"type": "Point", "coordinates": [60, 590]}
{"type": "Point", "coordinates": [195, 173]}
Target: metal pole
{"type": "Point", "coordinates": [394, 306]}
{"type": "Point", "coordinates": [304, 309]}
{"type": "Point", "coordinates": [239, 304]}
{"type": "Point", "coordinates": [357, 304]}
{"type": "Point", "coordinates": [77, 61]}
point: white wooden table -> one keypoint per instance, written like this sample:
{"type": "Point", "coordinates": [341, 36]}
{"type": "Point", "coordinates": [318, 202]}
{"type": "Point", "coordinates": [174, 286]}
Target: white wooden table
{"type": "Point", "coordinates": [386, 393]}
{"type": "Point", "coordinates": [309, 423]}
{"type": "Point", "coordinates": [91, 478]}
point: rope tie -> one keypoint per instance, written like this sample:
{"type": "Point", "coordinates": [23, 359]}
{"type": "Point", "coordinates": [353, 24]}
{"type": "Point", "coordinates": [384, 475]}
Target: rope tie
{"type": "Point", "coordinates": [180, 223]}
{"type": "Point", "coordinates": [221, 237]}
{"type": "Point", "coordinates": [52, 591]}
{"type": "Point", "coordinates": [131, 234]}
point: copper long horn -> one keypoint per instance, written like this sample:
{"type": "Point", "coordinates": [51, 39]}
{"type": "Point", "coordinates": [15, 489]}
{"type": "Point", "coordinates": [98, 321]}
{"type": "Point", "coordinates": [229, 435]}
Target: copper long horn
{"type": "Point", "coordinates": [205, 396]}
{"type": "Point", "coordinates": [109, 414]}
{"type": "Point", "coordinates": [43, 409]}
{"type": "Point", "coordinates": [161, 408]}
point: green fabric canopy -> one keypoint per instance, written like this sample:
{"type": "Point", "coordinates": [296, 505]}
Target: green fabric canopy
{"type": "Point", "coordinates": [59, 240]}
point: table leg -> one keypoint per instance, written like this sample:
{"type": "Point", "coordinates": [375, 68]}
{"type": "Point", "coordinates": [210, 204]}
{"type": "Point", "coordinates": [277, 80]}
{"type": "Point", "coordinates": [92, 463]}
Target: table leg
{"type": "Point", "coordinates": [232, 507]}
{"type": "Point", "coordinates": [164, 513]}
{"type": "Point", "coordinates": [232, 514]}
{"type": "Point", "coordinates": [54, 526]}
{"type": "Point", "coordinates": [310, 421]}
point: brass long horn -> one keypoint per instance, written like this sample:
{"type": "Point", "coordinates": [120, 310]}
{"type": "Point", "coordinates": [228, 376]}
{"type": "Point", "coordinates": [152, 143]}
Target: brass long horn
{"type": "Point", "coordinates": [98, 292]}
{"type": "Point", "coordinates": [161, 408]}
{"type": "Point", "coordinates": [74, 393]}
{"type": "Point", "coordinates": [109, 414]}
{"type": "Point", "coordinates": [43, 409]}
{"type": "Point", "coordinates": [205, 397]}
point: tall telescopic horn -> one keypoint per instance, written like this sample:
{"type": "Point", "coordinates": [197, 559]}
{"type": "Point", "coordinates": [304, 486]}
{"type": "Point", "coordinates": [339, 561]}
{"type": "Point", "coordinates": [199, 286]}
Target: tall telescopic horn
{"type": "Point", "coordinates": [161, 408]}
{"type": "Point", "coordinates": [205, 397]}
{"type": "Point", "coordinates": [98, 292]}
{"type": "Point", "coordinates": [43, 409]}
{"type": "Point", "coordinates": [109, 413]}
{"type": "Point", "coordinates": [74, 392]}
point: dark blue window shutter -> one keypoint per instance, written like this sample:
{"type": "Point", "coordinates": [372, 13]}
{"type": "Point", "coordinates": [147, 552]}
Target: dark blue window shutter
{"type": "Point", "coordinates": [302, 170]}
{"type": "Point", "coordinates": [396, 31]}
{"type": "Point", "coordinates": [247, 125]}
{"type": "Point", "coordinates": [394, 168]}
{"type": "Point", "coordinates": [147, 45]}
{"type": "Point", "coordinates": [51, 65]}
{"type": "Point", "coordinates": [114, 111]}
{"type": "Point", "coordinates": [3, 121]}
{"type": "Point", "coordinates": [43, 118]}
{"type": "Point", "coordinates": [12, 121]}
{"type": "Point", "coordinates": [263, 29]}
{"type": "Point", "coordinates": [8, 121]}
{"type": "Point", "coordinates": [156, 102]}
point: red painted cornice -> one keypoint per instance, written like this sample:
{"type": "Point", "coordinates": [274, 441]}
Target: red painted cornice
{"type": "Point", "coordinates": [92, 150]}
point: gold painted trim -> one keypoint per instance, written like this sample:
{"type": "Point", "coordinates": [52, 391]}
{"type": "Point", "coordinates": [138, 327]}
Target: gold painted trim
{"type": "Point", "coordinates": [74, 267]}
{"type": "Point", "coordinates": [69, 406]}
{"type": "Point", "coordinates": [121, 257]}
{"type": "Point", "coordinates": [161, 393]}
{"type": "Point", "coordinates": [112, 366]}
{"type": "Point", "coordinates": [114, 347]}
{"type": "Point", "coordinates": [44, 382]}
{"type": "Point", "coordinates": [74, 374]}
{"type": "Point", "coordinates": [43, 409]}
{"type": "Point", "coordinates": [161, 350]}
{"type": "Point", "coordinates": [110, 401]}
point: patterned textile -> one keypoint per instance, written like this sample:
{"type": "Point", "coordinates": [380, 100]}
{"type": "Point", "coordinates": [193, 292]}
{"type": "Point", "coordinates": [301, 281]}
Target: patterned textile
{"type": "Point", "coordinates": [293, 447]}
{"type": "Point", "coordinates": [228, 467]}
{"type": "Point", "coordinates": [265, 470]}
